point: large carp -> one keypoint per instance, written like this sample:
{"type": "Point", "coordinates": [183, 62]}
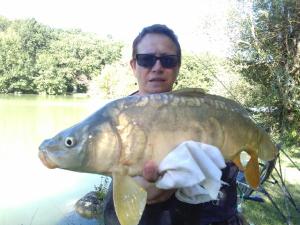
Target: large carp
{"type": "Point", "coordinates": [124, 134]}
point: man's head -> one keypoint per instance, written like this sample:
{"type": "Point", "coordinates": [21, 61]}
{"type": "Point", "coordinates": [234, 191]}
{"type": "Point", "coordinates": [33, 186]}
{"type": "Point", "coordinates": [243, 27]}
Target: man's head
{"type": "Point", "coordinates": [156, 59]}
{"type": "Point", "coordinates": [157, 29]}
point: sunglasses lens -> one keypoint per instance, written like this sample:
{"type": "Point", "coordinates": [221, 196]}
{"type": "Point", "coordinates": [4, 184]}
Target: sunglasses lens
{"type": "Point", "coordinates": [169, 61]}
{"type": "Point", "coordinates": [148, 60]}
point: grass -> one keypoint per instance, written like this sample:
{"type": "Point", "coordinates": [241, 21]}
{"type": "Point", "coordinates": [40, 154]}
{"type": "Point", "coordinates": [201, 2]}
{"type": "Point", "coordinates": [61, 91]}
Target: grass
{"type": "Point", "coordinates": [102, 188]}
{"type": "Point", "coordinates": [265, 213]}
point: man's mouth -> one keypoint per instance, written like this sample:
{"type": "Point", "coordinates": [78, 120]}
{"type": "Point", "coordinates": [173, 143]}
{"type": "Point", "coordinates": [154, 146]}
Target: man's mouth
{"type": "Point", "coordinates": [157, 80]}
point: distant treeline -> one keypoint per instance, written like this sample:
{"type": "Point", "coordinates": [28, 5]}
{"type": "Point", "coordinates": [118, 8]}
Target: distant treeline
{"type": "Point", "coordinates": [36, 59]}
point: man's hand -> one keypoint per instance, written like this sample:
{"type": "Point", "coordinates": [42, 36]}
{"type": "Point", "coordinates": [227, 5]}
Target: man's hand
{"type": "Point", "coordinates": [150, 175]}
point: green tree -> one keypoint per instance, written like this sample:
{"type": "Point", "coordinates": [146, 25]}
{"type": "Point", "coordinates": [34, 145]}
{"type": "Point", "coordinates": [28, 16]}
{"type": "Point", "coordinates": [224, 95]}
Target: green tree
{"type": "Point", "coordinates": [20, 44]}
{"type": "Point", "coordinates": [114, 81]}
{"type": "Point", "coordinates": [267, 52]}
{"type": "Point", "coordinates": [73, 60]}
{"type": "Point", "coordinates": [4, 23]}
{"type": "Point", "coordinates": [38, 59]}
{"type": "Point", "coordinates": [197, 70]}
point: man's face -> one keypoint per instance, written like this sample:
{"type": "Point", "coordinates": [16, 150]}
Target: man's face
{"type": "Point", "coordinates": [156, 79]}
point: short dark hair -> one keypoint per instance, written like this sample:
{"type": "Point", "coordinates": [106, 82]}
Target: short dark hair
{"type": "Point", "coordinates": [157, 29]}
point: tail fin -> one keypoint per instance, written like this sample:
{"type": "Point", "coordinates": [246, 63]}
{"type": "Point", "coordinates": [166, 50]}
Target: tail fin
{"type": "Point", "coordinates": [252, 170]}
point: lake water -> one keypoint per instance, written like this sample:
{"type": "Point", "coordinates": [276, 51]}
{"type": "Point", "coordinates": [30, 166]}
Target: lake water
{"type": "Point", "coordinates": [31, 194]}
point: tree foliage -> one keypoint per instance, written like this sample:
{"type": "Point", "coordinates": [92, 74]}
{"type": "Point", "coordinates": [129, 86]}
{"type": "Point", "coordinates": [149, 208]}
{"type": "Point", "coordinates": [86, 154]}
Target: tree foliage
{"type": "Point", "coordinates": [20, 43]}
{"type": "Point", "coordinates": [38, 59]}
{"type": "Point", "coordinates": [267, 51]}
{"type": "Point", "coordinates": [115, 80]}
{"type": "Point", "coordinates": [197, 70]}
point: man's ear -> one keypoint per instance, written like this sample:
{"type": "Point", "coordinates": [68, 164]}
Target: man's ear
{"type": "Point", "coordinates": [133, 64]}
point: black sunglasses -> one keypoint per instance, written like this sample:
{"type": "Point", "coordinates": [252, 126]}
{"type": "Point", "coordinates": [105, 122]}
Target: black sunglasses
{"type": "Point", "coordinates": [149, 60]}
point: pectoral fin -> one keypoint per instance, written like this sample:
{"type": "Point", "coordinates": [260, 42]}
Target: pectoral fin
{"type": "Point", "coordinates": [129, 199]}
{"type": "Point", "coordinates": [252, 170]}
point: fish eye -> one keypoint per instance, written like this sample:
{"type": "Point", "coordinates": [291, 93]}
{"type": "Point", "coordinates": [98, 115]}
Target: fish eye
{"type": "Point", "coordinates": [70, 142]}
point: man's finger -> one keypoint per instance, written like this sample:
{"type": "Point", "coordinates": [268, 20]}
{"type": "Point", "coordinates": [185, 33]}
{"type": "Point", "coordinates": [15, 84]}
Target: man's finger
{"type": "Point", "coordinates": [150, 171]}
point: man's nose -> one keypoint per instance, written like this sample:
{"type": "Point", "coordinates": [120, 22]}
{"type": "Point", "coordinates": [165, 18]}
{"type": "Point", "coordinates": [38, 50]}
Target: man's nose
{"type": "Point", "coordinates": [157, 65]}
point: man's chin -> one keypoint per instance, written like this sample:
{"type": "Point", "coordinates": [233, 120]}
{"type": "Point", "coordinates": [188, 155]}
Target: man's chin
{"type": "Point", "coordinates": [158, 88]}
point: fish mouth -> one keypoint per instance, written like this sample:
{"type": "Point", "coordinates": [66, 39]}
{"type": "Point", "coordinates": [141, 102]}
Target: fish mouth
{"type": "Point", "coordinates": [46, 161]}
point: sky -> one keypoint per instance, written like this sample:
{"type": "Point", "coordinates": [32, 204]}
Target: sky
{"type": "Point", "coordinates": [123, 19]}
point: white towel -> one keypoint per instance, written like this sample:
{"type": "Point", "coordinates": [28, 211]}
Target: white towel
{"type": "Point", "coordinates": [194, 169]}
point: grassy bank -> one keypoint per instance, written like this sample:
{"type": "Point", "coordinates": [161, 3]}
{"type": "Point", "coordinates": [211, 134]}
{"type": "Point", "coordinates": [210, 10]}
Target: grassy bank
{"type": "Point", "coordinates": [265, 213]}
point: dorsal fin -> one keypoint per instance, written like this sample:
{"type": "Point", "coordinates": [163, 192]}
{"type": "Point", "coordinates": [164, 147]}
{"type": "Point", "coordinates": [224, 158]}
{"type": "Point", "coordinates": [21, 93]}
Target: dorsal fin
{"type": "Point", "coordinates": [189, 92]}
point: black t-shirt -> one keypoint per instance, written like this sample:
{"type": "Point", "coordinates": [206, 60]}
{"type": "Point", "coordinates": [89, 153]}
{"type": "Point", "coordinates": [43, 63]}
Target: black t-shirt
{"type": "Point", "coordinates": [175, 212]}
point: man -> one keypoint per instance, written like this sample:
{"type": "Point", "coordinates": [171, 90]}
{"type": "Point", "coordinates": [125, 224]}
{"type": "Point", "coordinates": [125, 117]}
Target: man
{"type": "Point", "coordinates": [156, 60]}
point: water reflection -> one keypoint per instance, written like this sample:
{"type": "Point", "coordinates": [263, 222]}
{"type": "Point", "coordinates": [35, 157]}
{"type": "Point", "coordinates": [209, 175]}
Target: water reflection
{"type": "Point", "coordinates": [31, 194]}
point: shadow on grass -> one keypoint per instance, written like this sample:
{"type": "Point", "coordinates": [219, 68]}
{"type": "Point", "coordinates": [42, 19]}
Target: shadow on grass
{"type": "Point", "coordinates": [295, 154]}
{"type": "Point", "coordinates": [291, 157]}
{"type": "Point", "coordinates": [265, 213]}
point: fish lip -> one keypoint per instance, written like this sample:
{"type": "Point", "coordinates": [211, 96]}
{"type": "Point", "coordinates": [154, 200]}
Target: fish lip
{"type": "Point", "coordinates": [46, 161]}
